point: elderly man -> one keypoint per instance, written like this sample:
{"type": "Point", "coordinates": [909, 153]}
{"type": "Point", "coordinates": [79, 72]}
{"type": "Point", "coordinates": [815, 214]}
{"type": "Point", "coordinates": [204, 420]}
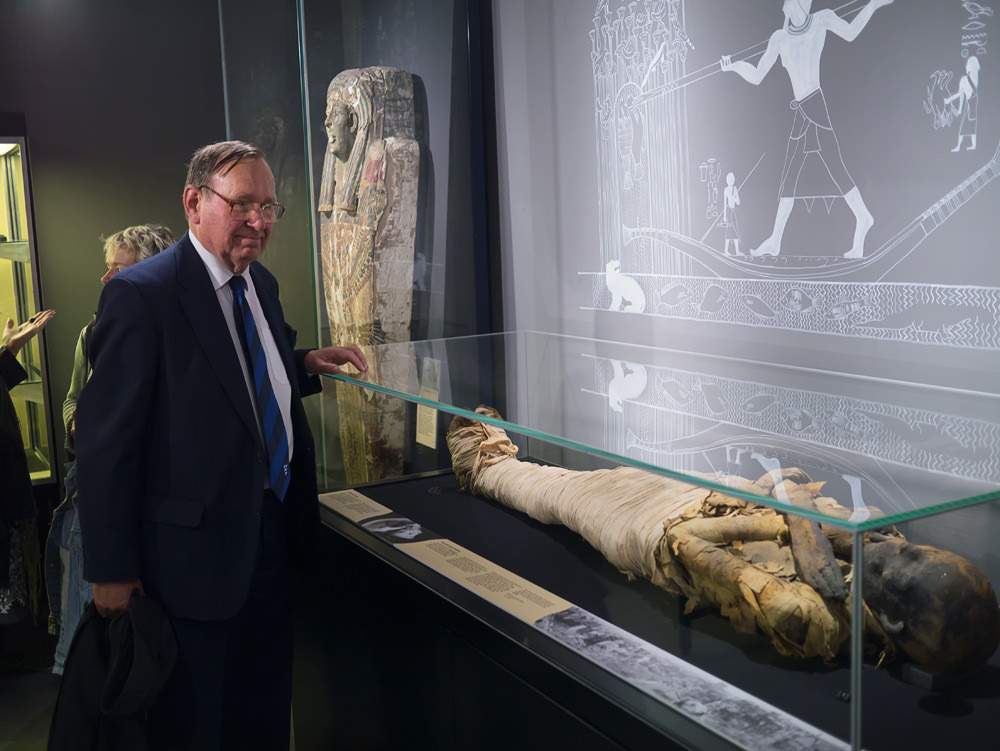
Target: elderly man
{"type": "Point", "coordinates": [196, 466]}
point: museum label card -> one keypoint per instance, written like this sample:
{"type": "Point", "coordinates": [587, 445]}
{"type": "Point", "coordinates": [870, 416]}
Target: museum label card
{"type": "Point", "coordinates": [518, 596]}
{"type": "Point", "coordinates": [427, 419]}
{"type": "Point", "coordinates": [430, 386]}
{"type": "Point", "coordinates": [353, 505]}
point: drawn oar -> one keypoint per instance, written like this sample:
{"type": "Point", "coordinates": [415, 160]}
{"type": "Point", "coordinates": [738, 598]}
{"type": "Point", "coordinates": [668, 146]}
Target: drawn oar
{"type": "Point", "coordinates": [716, 67]}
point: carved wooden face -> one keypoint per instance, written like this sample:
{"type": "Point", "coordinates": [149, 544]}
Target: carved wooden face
{"type": "Point", "coordinates": [341, 129]}
{"type": "Point", "coordinates": [938, 607]}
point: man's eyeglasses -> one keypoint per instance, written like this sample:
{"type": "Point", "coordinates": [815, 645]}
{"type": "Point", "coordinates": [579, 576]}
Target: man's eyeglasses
{"type": "Point", "coordinates": [241, 210]}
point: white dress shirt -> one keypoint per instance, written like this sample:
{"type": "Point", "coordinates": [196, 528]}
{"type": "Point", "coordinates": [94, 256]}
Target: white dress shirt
{"type": "Point", "coordinates": [220, 277]}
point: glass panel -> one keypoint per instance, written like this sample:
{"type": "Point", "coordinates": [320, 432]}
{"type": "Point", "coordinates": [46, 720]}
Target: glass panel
{"type": "Point", "coordinates": [650, 183]}
{"type": "Point", "coordinates": [937, 600]}
{"type": "Point", "coordinates": [886, 451]}
{"type": "Point", "coordinates": [18, 301]}
{"type": "Point", "coordinates": [628, 636]}
{"type": "Point", "coordinates": [571, 404]}
{"type": "Point", "coordinates": [279, 60]}
{"type": "Point", "coordinates": [690, 659]}
{"type": "Point", "coordinates": [264, 106]}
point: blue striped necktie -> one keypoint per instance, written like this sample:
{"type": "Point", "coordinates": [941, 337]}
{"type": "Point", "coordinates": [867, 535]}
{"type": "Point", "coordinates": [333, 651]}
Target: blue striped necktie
{"type": "Point", "coordinates": [272, 424]}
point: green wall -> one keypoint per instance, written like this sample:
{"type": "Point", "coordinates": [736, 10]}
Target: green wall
{"type": "Point", "coordinates": [116, 96]}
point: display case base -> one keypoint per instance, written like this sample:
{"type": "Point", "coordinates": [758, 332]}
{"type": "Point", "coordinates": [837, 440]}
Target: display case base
{"type": "Point", "coordinates": [373, 599]}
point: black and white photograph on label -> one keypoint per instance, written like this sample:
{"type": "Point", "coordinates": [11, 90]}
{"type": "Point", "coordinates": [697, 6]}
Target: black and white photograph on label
{"type": "Point", "coordinates": [396, 529]}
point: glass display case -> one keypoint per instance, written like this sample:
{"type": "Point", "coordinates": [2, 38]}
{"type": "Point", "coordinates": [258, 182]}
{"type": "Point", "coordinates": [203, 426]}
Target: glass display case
{"type": "Point", "coordinates": [277, 82]}
{"type": "Point", "coordinates": [20, 296]}
{"type": "Point", "coordinates": [906, 447]}
{"type": "Point", "coordinates": [900, 460]}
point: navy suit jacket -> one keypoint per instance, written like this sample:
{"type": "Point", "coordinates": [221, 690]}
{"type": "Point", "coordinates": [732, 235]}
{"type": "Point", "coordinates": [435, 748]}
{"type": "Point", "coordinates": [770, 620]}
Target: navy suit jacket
{"type": "Point", "coordinates": [169, 456]}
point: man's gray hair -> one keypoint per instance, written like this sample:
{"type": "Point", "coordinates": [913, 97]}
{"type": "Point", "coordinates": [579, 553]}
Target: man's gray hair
{"type": "Point", "coordinates": [219, 159]}
{"type": "Point", "coordinates": [143, 240]}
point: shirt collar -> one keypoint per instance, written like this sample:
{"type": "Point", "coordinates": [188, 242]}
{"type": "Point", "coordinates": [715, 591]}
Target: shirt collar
{"type": "Point", "coordinates": [217, 270]}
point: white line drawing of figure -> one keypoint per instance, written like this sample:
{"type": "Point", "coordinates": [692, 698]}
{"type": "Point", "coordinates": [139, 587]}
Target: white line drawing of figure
{"type": "Point", "coordinates": [628, 382]}
{"type": "Point", "coordinates": [937, 93]}
{"type": "Point", "coordinates": [799, 45]}
{"type": "Point", "coordinates": [730, 200]}
{"type": "Point", "coordinates": [624, 289]}
{"type": "Point", "coordinates": [968, 104]}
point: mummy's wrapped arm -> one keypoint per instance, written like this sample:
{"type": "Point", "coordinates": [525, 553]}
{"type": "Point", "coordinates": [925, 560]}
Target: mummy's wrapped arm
{"type": "Point", "coordinates": [786, 577]}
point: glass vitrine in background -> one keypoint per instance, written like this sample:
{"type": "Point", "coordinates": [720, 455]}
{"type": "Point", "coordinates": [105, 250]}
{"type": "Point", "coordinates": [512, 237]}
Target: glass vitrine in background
{"type": "Point", "coordinates": [20, 296]}
{"type": "Point", "coordinates": [277, 82]}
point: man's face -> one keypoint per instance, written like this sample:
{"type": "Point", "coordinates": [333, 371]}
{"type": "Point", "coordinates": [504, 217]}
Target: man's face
{"type": "Point", "coordinates": [122, 258]}
{"type": "Point", "coordinates": [341, 129]}
{"type": "Point", "coordinates": [237, 243]}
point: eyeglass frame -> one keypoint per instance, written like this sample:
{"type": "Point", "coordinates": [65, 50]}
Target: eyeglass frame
{"type": "Point", "coordinates": [258, 207]}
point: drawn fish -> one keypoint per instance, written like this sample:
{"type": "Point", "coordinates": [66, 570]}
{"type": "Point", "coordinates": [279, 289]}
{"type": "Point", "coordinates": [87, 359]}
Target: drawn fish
{"type": "Point", "coordinates": [930, 317]}
{"type": "Point", "coordinates": [844, 309]}
{"type": "Point", "coordinates": [713, 299]}
{"type": "Point", "coordinates": [910, 432]}
{"type": "Point", "coordinates": [797, 419]}
{"type": "Point", "coordinates": [758, 403]}
{"type": "Point", "coordinates": [674, 391]}
{"type": "Point", "coordinates": [842, 423]}
{"type": "Point", "coordinates": [757, 306]}
{"type": "Point", "coordinates": [949, 447]}
{"type": "Point", "coordinates": [797, 301]}
{"type": "Point", "coordinates": [932, 439]}
{"type": "Point", "coordinates": [714, 398]}
{"type": "Point", "coordinates": [674, 295]}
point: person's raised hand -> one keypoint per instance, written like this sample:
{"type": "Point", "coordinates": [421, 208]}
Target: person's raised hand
{"type": "Point", "coordinates": [15, 337]}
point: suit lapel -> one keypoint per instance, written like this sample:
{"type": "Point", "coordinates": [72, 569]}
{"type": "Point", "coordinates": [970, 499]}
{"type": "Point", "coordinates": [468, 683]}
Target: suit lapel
{"type": "Point", "coordinates": [200, 303]}
{"type": "Point", "coordinates": [276, 322]}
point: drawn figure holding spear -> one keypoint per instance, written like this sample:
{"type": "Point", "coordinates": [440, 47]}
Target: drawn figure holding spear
{"type": "Point", "coordinates": [799, 45]}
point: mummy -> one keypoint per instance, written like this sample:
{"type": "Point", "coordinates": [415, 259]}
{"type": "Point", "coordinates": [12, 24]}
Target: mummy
{"type": "Point", "coordinates": [780, 574]}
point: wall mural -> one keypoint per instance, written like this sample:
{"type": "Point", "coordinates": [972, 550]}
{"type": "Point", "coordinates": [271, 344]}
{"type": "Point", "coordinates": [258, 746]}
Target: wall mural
{"type": "Point", "coordinates": [824, 170]}
{"type": "Point", "coordinates": [871, 448]}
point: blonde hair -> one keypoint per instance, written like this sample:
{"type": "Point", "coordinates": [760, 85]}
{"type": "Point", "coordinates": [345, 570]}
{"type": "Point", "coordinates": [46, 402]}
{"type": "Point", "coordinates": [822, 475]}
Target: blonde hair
{"type": "Point", "coordinates": [143, 240]}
